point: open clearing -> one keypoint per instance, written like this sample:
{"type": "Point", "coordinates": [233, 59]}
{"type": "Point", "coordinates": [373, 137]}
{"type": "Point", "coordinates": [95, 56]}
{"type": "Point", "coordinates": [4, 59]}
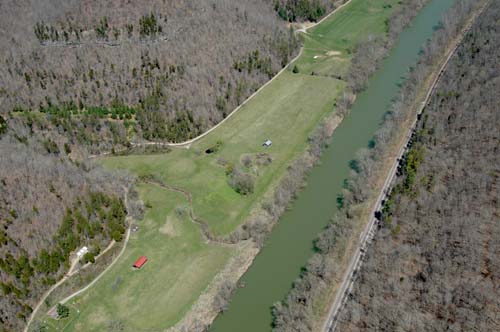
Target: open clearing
{"type": "Point", "coordinates": [328, 43]}
{"type": "Point", "coordinates": [181, 264]}
{"type": "Point", "coordinates": [177, 272]}
{"type": "Point", "coordinates": [285, 113]}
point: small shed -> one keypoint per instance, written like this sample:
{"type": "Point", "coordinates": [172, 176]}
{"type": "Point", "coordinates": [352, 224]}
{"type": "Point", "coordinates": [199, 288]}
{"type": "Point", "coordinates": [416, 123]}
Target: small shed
{"type": "Point", "coordinates": [140, 262]}
{"type": "Point", "coordinates": [267, 143]}
{"type": "Point", "coordinates": [80, 253]}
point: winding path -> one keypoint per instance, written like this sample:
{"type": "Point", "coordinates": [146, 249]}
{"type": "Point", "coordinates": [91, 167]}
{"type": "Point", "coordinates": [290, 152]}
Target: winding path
{"type": "Point", "coordinates": [187, 144]}
{"type": "Point", "coordinates": [66, 299]}
{"type": "Point", "coordinates": [204, 228]}
{"type": "Point", "coordinates": [71, 272]}
{"type": "Point", "coordinates": [369, 231]}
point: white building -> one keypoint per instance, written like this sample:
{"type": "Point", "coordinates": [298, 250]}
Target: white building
{"type": "Point", "coordinates": [82, 252]}
{"type": "Point", "coordinates": [267, 143]}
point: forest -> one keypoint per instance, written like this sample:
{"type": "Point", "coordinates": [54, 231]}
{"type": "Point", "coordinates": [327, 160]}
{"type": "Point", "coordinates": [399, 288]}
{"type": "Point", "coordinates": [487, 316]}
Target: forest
{"type": "Point", "coordinates": [50, 206]}
{"type": "Point", "coordinates": [179, 66]}
{"type": "Point", "coordinates": [302, 10]}
{"type": "Point", "coordinates": [433, 265]}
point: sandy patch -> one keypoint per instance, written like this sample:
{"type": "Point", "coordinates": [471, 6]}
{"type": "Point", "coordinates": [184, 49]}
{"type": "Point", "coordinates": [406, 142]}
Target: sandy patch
{"type": "Point", "coordinates": [332, 123]}
{"type": "Point", "coordinates": [332, 53]}
{"type": "Point", "coordinates": [168, 228]}
{"type": "Point", "coordinates": [301, 26]}
{"type": "Point", "coordinates": [53, 313]}
{"type": "Point", "coordinates": [307, 25]}
{"type": "Point", "coordinates": [375, 10]}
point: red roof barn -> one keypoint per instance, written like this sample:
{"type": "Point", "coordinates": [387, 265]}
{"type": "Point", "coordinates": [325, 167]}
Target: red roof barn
{"type": "Point", "coordinates": [140, 262]}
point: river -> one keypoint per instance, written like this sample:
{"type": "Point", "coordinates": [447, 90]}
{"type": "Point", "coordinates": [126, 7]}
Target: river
{"type": "Point", "coordinates": [291, 242]}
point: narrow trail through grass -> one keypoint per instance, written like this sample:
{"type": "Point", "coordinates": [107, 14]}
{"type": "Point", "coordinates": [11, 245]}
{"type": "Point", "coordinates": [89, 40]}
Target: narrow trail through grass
{"type": "Point", "coordinates": [204, 229]}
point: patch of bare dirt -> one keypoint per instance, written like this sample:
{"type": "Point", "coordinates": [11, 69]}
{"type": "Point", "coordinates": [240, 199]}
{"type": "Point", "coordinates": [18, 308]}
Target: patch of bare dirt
{"type": "Point", "coordinates": [168, 228]}
{"type": "Point", "coordinates": [333, 53]}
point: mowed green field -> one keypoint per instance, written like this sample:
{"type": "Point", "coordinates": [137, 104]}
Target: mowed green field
{"type": "Point", "coordinates": [328, 46]}
{"type": "Point", "coordinates": [181, 264]}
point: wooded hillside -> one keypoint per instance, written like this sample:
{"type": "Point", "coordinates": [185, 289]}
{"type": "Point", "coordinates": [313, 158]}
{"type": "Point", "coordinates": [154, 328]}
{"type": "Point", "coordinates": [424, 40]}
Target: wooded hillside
{"type": "Point", "coordinates": [161, 70]}
{"type": "Point", "coordinates": [433, 265]}
{"type": "Point", "coordinates": [49, 208]}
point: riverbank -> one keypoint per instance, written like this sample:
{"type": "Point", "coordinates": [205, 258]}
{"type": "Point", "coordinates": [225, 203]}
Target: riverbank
{"type": "Point", "coordinates": [290, 242]}
{"type": "Point", "coordinates": [376, 163]}
{"type": "Point", "coordinates": [395, 156]}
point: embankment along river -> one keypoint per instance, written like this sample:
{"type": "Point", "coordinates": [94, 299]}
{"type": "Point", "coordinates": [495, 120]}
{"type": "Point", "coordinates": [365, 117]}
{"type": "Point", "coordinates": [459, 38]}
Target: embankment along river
{"type": "Point", "coordinates": [291, 242]}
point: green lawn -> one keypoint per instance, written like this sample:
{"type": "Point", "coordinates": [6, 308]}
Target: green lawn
{"type": "Point", "coordinates": [328, 46]}
{"type": "Point", "coordinates": [181, 264]}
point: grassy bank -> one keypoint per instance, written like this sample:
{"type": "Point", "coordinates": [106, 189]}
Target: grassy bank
{"type": "Point", "coordinates": [181, 264]}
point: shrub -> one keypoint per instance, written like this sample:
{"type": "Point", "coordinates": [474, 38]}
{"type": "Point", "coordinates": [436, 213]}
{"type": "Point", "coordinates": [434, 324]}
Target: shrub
{"type": "Point", "coordinates": [229, 169]}
{"type": "Point", "coordinates": [117, 235]}
{"type": "Point", "coordinates": [243, 183]}
{"type": "Point", "coordinates": [101, 29]}
{"type": "Point", "coordinates": [67, 148]}
{"type": "Point", "coordinates": [214, 148]}
{"type": "Point", "coordinates": [62, 310]}
{"type": "Point", "coordinates": [149, 25]}
{"type": "Point", "coordinates": [247, 161]}
{"type": "Point", "coordinates": [89, 258]}
{"type": "Point", "coordinates": [115, 326]}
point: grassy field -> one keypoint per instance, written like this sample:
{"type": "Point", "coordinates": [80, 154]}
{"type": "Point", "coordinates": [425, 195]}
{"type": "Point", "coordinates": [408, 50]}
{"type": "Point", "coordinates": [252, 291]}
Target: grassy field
{"type": "Point", "coordinates": [181, 264]}
{"type": "Point", "coordinates": [285, 113]}
{"type": "Point", "coordinates": [328, 46]}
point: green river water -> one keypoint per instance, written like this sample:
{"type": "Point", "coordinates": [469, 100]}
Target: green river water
{"type": "Point", "coordinates": [291, 243]}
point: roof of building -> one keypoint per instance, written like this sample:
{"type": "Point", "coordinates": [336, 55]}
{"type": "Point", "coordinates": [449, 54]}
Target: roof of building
{"type": "Point", "coordinates": [140, 262]}
{"type": "Point", "coordinates": [268, 142]}
{"type": "Point", "coordinates": [82, 251]}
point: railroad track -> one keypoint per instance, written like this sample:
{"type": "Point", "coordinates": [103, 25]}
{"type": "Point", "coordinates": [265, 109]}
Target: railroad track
{"type": "Point", "coordinates": [370, 229]}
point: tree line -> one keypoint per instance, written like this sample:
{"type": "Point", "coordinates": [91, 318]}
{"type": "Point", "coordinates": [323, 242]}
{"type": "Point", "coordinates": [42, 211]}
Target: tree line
{"type": "Point", "coordinates": [302, 10]}
{"type": "Point", "coordinates": [71, 32]}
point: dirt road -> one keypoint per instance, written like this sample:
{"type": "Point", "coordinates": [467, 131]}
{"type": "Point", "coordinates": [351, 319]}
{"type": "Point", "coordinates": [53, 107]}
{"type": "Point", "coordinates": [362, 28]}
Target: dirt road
{"type": "Point", "coordinates": [187, 144]}
{"type": "Point", "coordinates": [72, 271]}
